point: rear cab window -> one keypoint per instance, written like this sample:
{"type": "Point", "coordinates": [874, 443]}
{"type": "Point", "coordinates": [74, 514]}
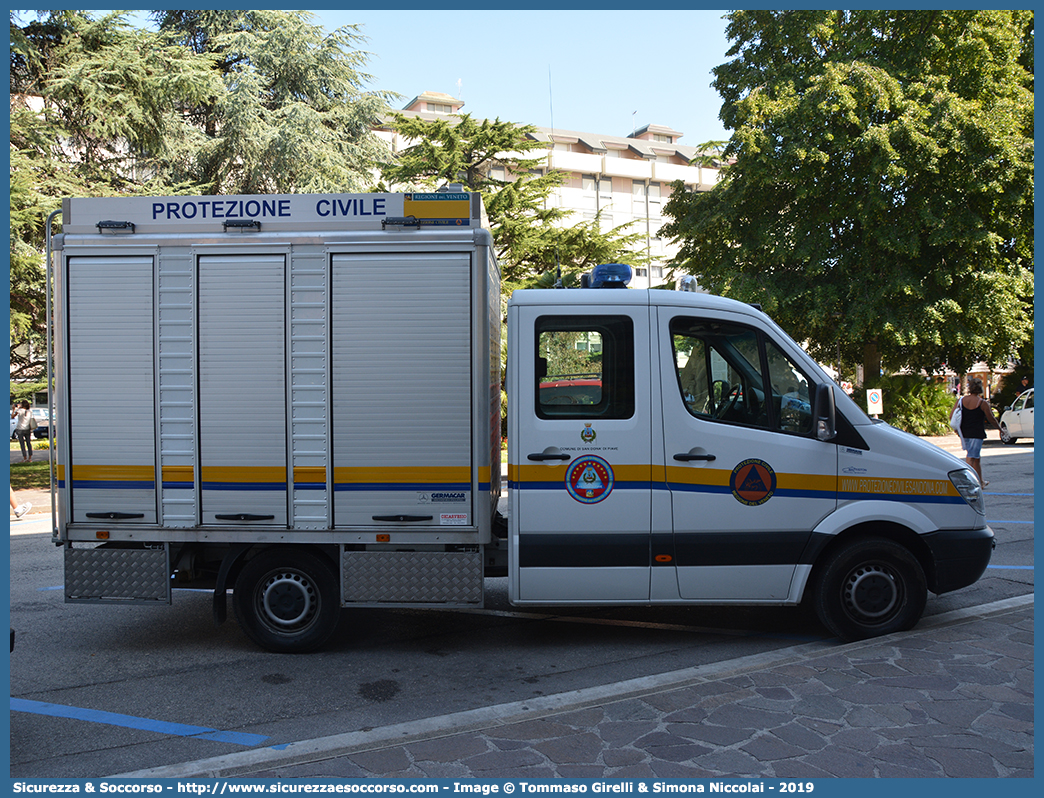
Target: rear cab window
{"type": "Point", "coordinates": [584, 367]}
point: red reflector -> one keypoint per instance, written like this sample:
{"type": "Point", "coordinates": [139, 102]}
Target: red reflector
{"type": "Point", "coordinates": [663, 558]}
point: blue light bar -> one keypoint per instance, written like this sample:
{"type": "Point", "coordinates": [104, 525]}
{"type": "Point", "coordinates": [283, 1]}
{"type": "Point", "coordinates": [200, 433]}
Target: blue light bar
{"type": "Point", "coordinates": [610, 275]}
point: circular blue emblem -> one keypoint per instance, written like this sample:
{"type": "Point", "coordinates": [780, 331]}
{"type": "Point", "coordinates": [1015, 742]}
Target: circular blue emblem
{"type": "Point", "coordinates": [589, 479]}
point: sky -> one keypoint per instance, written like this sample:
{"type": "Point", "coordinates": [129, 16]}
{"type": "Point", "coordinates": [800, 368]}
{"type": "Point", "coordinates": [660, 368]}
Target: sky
{"type": "Point", "coordinates": [592, 71]}
{"type": "Point", "coordinates": [595, 72]}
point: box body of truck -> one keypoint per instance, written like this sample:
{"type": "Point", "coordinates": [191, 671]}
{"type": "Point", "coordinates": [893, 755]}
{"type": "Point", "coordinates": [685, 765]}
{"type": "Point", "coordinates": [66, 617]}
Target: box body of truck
{"type": "Point", "coordinates": [236, 373]}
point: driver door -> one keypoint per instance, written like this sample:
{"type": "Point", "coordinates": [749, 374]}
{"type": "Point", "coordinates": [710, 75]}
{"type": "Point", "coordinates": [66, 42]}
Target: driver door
{"type": "Point", "coordinates": [747, 477]}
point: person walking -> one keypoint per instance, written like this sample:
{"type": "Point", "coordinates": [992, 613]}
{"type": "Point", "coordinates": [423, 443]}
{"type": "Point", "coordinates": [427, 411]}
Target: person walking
{"type": "Point", "coordinates": [24, 429]}
{"type": "Point", "coordinates": [976, 413]}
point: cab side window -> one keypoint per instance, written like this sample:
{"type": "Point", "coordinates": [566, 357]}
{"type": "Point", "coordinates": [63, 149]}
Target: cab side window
{"type": "Point", "coordinates": [731, 374]}
{"type": "Point", "coordinates": [585, 367]}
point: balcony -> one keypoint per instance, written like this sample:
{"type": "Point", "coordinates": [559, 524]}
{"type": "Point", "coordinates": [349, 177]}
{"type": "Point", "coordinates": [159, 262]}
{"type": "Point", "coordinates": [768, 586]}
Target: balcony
{"type": "Point", "coordinates": [586, 163]}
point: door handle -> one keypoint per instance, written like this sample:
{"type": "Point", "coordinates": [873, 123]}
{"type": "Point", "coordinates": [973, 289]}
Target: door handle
{"type": "Point", "coordinates": [686, 457]}
{"type": "Point", "coordinates": [541, 456]}
{"type": "Point", "coordinates": [402, 518]}
{"type": "Point", "coordinates": [244, 517]}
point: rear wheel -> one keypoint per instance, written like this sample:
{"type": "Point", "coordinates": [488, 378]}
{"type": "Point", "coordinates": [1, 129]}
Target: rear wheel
{"type": "Point", "coordinates": [287, 600]}
{"type": "Point", "coordinates": [869, 587]}
{"type": "Point", "coordinates": [1005, 436]}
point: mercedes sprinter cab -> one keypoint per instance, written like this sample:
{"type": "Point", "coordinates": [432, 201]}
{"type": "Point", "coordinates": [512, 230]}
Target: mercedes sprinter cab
{"type": "Point", "coordinates": [706, 458]}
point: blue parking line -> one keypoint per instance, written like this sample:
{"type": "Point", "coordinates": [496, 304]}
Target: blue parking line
{"type": "Point", "coordinates": [1010, 567]}
{"type": "Point", "coordinates": [131, 722]}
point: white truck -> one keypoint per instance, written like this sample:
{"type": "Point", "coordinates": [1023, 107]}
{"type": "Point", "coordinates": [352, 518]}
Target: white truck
{"type": "Point", "coordinates": [297, 398]}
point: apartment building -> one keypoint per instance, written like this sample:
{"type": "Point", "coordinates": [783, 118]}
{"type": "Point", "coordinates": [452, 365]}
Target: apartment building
{"type": "Point", "coordinates": [626, 178]}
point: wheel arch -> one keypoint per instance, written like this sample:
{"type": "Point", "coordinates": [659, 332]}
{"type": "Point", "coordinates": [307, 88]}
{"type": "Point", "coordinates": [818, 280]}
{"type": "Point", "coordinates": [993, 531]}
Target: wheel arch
{"type": "Point", "coordinates": [887, 529]}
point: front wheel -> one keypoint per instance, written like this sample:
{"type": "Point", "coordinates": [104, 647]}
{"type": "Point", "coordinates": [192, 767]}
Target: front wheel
{"type": "Point", "coordinates": [287, 600]}
{"type": "Point", "coordinates": [869, 587]}
{"type": "Point", "coordinates": [1005, 436]}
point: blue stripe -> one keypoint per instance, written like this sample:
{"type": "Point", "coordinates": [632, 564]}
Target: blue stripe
{"type": "Point", "coordinates": [123, 484]}
{"type": "Point", "coordinates": [243, 485]}
{"type": "Point", "coordinates": [131, 722]}
{"type": "Point", "coordinates": [994, 521]}
{"type": "Point", "coordinates": [900, 497]}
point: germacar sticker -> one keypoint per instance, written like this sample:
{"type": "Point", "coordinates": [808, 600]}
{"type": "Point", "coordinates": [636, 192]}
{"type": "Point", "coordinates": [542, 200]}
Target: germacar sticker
{"type": "Point", "coordinates": [443, 497]}
{"type": "Point", "coordinates": [753, 482]}
{"type": "Point", "coordinates": [453, 519]}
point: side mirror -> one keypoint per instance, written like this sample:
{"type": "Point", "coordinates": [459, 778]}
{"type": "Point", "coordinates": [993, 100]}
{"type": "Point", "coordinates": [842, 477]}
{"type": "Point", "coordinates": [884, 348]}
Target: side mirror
{"type": "Point", "coordinates": [825, 413]}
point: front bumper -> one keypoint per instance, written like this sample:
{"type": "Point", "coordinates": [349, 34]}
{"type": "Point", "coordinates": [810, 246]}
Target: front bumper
{"type": "Point", "coordinates": [959, 557]}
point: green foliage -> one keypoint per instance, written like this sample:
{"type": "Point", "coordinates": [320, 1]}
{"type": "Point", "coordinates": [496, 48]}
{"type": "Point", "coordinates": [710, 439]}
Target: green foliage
{"type": "Point", "coordinates": [530, 238]}
{"type": "Point", "coordinates": [881, 198]}
{"type": "Point", "coordinates": [913, 404]}
{"type": "Point", "coordinates": [293, 114]}
{"type": "Point", "coordinates": [26, 391]}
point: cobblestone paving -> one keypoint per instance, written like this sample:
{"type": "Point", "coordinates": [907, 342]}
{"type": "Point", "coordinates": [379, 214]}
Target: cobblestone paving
{"type": "Point", "coordinates": [951, 701]}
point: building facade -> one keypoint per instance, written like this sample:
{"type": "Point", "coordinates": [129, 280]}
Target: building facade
{"type": "Point", "coordinates": [625, 179]}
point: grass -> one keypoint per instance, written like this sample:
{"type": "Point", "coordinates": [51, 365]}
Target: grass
{"type": "Point", "coordinates": [34, 475]}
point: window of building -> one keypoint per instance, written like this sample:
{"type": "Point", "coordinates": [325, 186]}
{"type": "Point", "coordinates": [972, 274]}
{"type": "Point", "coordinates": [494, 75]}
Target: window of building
{"type": "Point", "coordinates": [440, 108]}
{"type": "Point", "coordinates": [585, 367]}
{"type": "Point", "coordinates": [638, 196]}
{"type": "Point", "coordinates": [662, 138]}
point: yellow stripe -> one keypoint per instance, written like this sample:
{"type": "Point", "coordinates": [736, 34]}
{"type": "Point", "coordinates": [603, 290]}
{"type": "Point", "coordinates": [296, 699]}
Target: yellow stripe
{"type": "Point", "coordinates": [314, 474]}
{"type": "Point", "coordinates": [437, 209]}
{"type": "Point", "coordinates": [897, 486]}
{"type": "Point", "coordinates": [178, 473]}
{"type": "Point", "coordinates": [113, 473]}
{"type": "Point", "coordinates": [351, 475]}
{"type": "Point", "coordinates": [818, 482]}
{"type": "Point", "coordinates": [244, 474]}
{"type": "Point", "coordinates": [551, 473]}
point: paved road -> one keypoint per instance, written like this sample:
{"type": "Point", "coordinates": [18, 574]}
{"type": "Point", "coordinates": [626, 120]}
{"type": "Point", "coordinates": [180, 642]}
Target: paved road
{"type": "Point", "coordinates": [953, 699]}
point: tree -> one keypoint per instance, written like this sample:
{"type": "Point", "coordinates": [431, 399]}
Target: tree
{"type": "Point", "coordinates": [294, 115]}
{"type": "Point", "coordinates": [95, 110]}
{"type": "Point", "coordinates": [880, 202]}
{"type": "Point", "coordinates": [501, 160]}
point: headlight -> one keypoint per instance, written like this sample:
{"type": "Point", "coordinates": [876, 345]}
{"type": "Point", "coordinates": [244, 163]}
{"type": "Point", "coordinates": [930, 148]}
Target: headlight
{"type": "Point", "coordinates": [968, 486]}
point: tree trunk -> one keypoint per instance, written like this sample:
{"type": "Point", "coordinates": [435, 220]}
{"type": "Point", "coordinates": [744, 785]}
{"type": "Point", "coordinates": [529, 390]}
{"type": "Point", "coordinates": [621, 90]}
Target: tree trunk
{"type": "Point", "coordinates": [871, 365]}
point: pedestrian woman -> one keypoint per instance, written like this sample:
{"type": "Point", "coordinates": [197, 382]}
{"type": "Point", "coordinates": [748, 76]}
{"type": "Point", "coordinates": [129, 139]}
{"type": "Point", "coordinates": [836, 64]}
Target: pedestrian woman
{"type": "Point", "coordinates": [24, 429]}
{"type": "Point", "coordinates": [976, 413]}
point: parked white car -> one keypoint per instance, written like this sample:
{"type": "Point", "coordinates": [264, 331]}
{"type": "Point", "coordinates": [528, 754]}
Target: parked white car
{"type": "Point", "coordinates": [1017, 421]}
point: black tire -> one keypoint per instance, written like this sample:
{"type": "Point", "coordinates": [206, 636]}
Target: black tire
{"type": "Point", "coordinates": [1005, 436]}
{"type": "Point", "coordinates": [867, 588]}
{"type": "Point", "coordinates": [287, 600]}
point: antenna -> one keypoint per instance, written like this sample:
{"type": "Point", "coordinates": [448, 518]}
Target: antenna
{"type": "Point", "coordinates": [551, 107]}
